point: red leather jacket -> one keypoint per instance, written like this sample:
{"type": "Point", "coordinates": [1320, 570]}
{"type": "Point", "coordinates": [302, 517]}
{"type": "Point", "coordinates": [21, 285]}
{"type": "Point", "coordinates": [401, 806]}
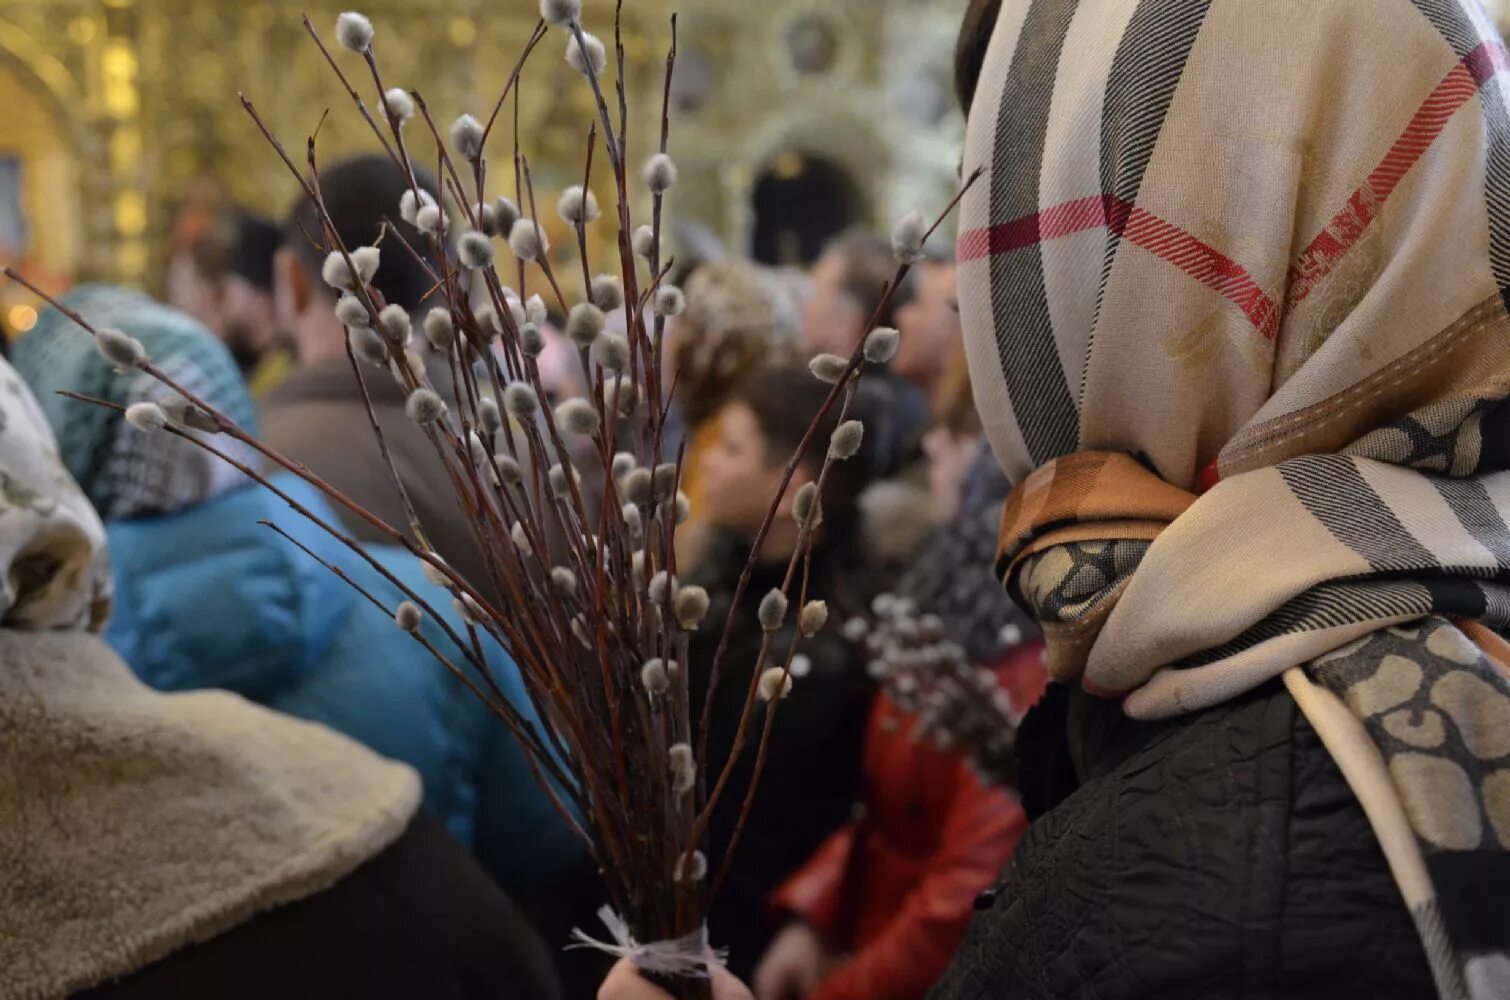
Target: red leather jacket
{"type": "Point", "coordinates": [895, 889]}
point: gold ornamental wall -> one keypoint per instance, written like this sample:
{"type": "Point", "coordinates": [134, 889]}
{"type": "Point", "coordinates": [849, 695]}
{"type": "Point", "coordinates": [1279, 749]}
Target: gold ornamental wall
{"type": "Point", "coordinates": [115, 112]}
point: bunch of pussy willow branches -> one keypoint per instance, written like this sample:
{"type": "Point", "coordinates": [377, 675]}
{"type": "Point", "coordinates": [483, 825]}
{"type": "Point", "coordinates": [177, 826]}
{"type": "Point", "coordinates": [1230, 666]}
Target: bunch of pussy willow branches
{"type": "Point", "coordinates": [582, 587]}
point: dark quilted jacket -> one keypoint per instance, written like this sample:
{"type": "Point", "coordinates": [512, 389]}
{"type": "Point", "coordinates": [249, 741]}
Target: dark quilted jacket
{"type": "Point", "coordinates": [1217, 855]}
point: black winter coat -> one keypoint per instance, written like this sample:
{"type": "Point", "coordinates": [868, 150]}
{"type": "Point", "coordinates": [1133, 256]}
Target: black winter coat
{"type": "Point", "coordinates": [421, 919]}
{"type": "Point", "coordinates": [811, 779]}
{"type": "Point", "coordinates": [1216, 855]}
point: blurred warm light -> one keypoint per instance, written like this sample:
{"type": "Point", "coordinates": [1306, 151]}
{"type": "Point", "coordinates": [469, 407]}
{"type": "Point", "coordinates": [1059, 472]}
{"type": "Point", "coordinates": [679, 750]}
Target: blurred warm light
{"type": "Point", "coordinates": [788, 165]}
{"type": "Point", "coordinates": [22, 318]}
{"type": "Point", "coordinates": [463, 32]}
{"type": "Point", "coordinates": [131, 213]}
{"type": "Point", "coordinates": [119, 63]}
{"type": "Point", "coordinates": [81, 30]}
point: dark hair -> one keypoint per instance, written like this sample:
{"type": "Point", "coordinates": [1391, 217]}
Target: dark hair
{"type": "Point", "coordinates": [784, 400]}
{"type": "Point", "coordinates": [869, 267]}
{"type": "Point", "coordinates": [257, 240]}
{"type": "Point", "coordinates": [361, 194]}
{"type": "Point", "coordinates": [970, 50]}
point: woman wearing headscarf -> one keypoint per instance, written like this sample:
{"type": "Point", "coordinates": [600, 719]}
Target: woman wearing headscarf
{"type": "Point", "coordinates": [1234, 285]}
{"type": "Point", "coordinates": [207, 595]}
{"type": "Point", "coordinates": [196, 845]}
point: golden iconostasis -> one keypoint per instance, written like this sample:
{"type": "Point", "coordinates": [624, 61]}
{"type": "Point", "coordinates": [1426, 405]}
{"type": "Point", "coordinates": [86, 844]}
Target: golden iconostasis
{"type": "Point", "coordinates": [121, 116]}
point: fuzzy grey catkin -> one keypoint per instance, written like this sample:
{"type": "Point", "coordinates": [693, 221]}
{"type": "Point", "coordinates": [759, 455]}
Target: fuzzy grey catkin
{"type": "Point", "coordinates": [612, 351]}
{"type": "Point", "coordinates": [846, 440]}
{"type": "Point", "coordinates": [655, 677]}
{"type": "Point", "coordinates": [509, 471]}
{"type": "Point", "coordinates": [828, 368]}
{"type": "Point", "coordinates": [468, 609]}
{"type": "Point", "coordinates": [146, 416]}
{"type": "Point", "coordinates": [534, 310]}
{"type": "Point", "coordinates": [690, 607]}
{"type": "Point", "coordinates": [660, 173]}
{"type": "Point", "coordinates": [665, 479]}
{"type": "Point", "coordinates": [488, 417]}
{"type": "Point", "coordinates": [120, 349]}
{"type": "Point", "coordinates": [440, 330]}
{"type": "Point", "coordinates": [521, 539]}
{"type": "Point", "coordinates": [474, 249]}
{"type": "Point", "coordinates": [528, 240]}
{"type": "Point", "coordinates": [427, 219]}
{"type": "Point", "coordinates": [805, 503]}
{"type": "Point", "coordinates": [588, 54]}
{"type": "Point", "coordinates": [562, 478]}
{"type": "Point", "coordinates": [520, 401]}
{"type": "Point", "coordinates": [409, 617]}
{"type": "Point", "coordinates": [487, 218]}
{"type": "Point", "coordinates": [432, 572]}
{"type": "Point", "coordinates": [669, 301]}
{"type": "Point", "coordinates": [531, 340]}
{"type": "Point", "coordinates": [368, 345]}
{"type": "Point", "coordinates": [577, 206]}
{"type": "Point", "coordinates": [560, 12]}
{"type": "Point", "coordinates": [907, 238]}
{"type": "Point", "coordinates": [394, 320]}
{"type": "Point", "coordinates": [659, 590]}
{"type": "Point", "coordinates": [623, 395]}
{"type": "Point", "coordinates": [584, 323]}
{"type": "Point", "coordinates": [881, 344]}
{"type": "Point", "coordinates": [410, 202]}
{"type": "Point", "coordinates": [637, 570]}
{"type": "Point", "coordinates": [607, 292]}
{"type": "Point", "coordinates": [466, 136]}
{"type": "Point", "coordinates": [399, 104]}
{"type": "Point", "coordinates": [812, 618]}
{"type": "Point", "coordinates": [488, 323]}
{"type": "Point", "coordinates": [623, 461]}
{"type": "Point", "coordinates": [563, 581]}
{"type": "Point", "coordinates": [505, 214]}
{"type": "Point", "coordinates": [644, 241]}
{"type": "Point", "coordinates": [633, 523]}
{"type": "Point", "coordinates": [772, 610]}
{"type": "Point", "coordinates": [577, 416]}
{"type": "Point", "coordinates": [683, 768]}
{"type": "Point", "coordinates": [184, 413]}
{"type": "Point", "coordinates": [638, 487]}
{"type": "Point", "coordinates": [335, 272]}
{"type": "Point", "coordinates": [352, 312]}
{"type": "Point", "coordinates": [354, 31]}
{"type": "Point", "coordinates": [424, 406]}
{"type": "Point", "coordinates": [691, 867]}
{"type": "Point", "coordinates": [774, 683]}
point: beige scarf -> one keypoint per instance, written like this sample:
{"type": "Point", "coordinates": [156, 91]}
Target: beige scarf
{"type": "Point", "coordinates": [1234, 289]}
{"type": "Point", "coordinates": [134, 823]}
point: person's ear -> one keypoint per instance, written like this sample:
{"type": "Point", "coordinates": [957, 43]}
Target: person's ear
{"type": "Point", "coordinates": [291, 287]}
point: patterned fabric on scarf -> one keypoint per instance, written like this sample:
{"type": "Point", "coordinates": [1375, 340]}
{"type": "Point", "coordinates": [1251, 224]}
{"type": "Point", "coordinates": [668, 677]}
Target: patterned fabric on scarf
{"type": "Point", "coordinates": [1234, 289]}
{"type": "Point", "coordinates": [124, 472]}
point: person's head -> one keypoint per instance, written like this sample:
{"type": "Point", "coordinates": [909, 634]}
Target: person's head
{"type": "Point", "coordinates": [201, 247]}
{"type": "Point", "coordinates": [970, 49]}
{"type": "Point", "coordinates": [951, 443]}
{"type": "Point", "coordinates": [248, 325]}
{"type": "Point", "coordinates": [931, 341]}
{"type": "Point", "coordinates": [727, 332]}
{"type": "Point", "coordinates": [125, 472]}
{"type": "Point", "coordinates": [759, 430]}
{"type": "Point", "coordinates": [848, 282]}
{"type": "Point", "coordinates": [55, 573]}
{"type": "Point", "coordinates": [362, 196]}
{"type": "Point", "coordinates": [1156, 281]}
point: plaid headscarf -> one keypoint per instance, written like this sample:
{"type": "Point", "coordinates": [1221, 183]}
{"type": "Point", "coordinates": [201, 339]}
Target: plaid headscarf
{"type": "Point", "coordinates": [1235, 293]}
{"type": "Point", "coordinates": [127, 473]}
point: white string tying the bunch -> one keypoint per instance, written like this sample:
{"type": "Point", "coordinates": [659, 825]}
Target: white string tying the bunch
{"type": "Point", "coordinates": [686, 957]}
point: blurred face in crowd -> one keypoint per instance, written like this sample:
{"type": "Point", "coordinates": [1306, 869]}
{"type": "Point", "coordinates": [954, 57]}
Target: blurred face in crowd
{"type": "Point", "coordinates": [831, 318]}
{"type": "Point", "coordinates": [930, 327]}
{"type": "Point", "coordinates": [740, 475]}
{"type": "Point", "coordinates": [248, 325]}
{"type": "Point", "coordinates": [192, 291]}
